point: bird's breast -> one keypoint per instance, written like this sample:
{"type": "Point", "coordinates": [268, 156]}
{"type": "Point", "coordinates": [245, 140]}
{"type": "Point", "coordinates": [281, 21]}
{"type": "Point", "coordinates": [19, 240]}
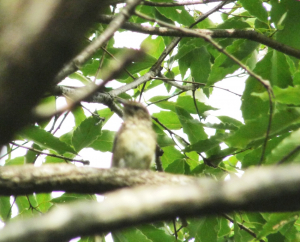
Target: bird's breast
{"type": "Point", "coordinates": [135, 147]}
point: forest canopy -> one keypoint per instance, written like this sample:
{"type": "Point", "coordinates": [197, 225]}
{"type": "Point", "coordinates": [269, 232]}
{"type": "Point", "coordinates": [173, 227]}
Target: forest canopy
{"type": "Point", "coordinates": [216, 177]}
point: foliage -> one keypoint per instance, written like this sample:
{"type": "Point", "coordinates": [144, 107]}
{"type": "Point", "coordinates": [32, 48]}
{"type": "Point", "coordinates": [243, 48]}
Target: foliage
{"type": "Point", "coordinates": [266, 135]}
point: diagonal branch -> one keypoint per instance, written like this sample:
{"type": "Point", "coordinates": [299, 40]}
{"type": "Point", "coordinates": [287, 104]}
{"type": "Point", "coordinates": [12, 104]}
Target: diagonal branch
{"type": "Point", "coordinates": [33, 48]}
{"type": "Point", "coordinates": [91, 49]}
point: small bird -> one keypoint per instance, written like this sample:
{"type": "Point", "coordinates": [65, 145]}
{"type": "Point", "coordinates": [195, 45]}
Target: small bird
{"type": "Point", "coordinates": [135, 142]}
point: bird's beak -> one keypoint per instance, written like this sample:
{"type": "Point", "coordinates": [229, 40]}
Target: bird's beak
{"type": "Point", "coordinates": [122, 101]}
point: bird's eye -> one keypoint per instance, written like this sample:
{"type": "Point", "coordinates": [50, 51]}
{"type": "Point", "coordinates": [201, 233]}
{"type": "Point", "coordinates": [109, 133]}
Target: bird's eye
{"type": "Point", "coordinates": [136, 108]}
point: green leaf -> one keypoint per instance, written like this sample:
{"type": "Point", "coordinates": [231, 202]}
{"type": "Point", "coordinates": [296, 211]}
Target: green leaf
{"type": "Point", "coordinates": [46, 140]}
{"type": "Point", "coordinates": [72, 197]}
{"type": "Point", "coordinates": [187, 103]}
{"type": "Point", "coordinates": [155, 234]}
{"type": "Point", "coordinates": [150, 11]}
{"type": "Point", "coordinates": [23, 205]}
{"type": "Point", "coordinates": [287, 145]}
{"type": "Point", "coordinates": [204, 229]}
{"type": "Point", "coordinates": [252, 158]}
{"type": "Point", "coordinates": [207, 144]}
{"type": "Point", "coordinates": [45, 106]}
{"type": "Point", "coordinates": [192, 160]}
{"type": "Point", "coordinates": [184, 64]}
{"type": "Point", "coordinates": [153, 46]}
{"type": "Point", "coordinates": [86, 133]}
{"type": "Point", "coordinates": [289, 95]}
{"type": "Point", "coordinates": [224, 229]}
{"type": "Point", "coordinates": [78, 76]}
{"type": "Point", "coordinates": [239, 234]}
{"type": "Point", "coordinates": [223, 65]}
{"type": "Point", "coordinates": [5, 208]}
{"type": "Point", "coordinates": [257, 129]}
{"type": "Point", "coordinates": [31, 156]}
{"type": "Point", "coordinates": [278, 237]}
{"type": "Point", "coordinates": [163, 140]}
{"type": "Point", "coordinates": [170, 154]}
{"type": "Point", "coordinates": [105, 113]}
{"type": "Point", "coordinates": [234, 23]}
{"type": "Point", "coordinates": [186, 47]}
{"type": "Point", "coordinates": [200, 64]}
{"type": "Point", "coordinates": [104, 142]}
{"type": "Point", "coordinates": [169, 119]}
{"type": "Point", "coordinates": [177, 14]}
{"type": "Point", "coordinates": [78, 114]}
{"type": "Point", "coordinates": [286, 15]}
{"type": "Point", "coordinates": [192, 127]}
{"type": "Point", "coordinates": [220, 126]}
{"type": "Point", "coordinates": [131, 234]}
{"type": "Point", "coordinates": [276, 222]}
{"type": "Point", "coordinates": [90, 238]}
{"type": "Point", "coordinates": [16, 161]}
{"type": "Point", "coordinates": [163, 104]}
{"type": "Point", "coordinates": [43, 200]}
{"type": "Point", "coordinates": [280, 72]}
{"type": "Point", "coordinates": [176, 167]}
{"type": "Point", "coordinates": [253, 107]}
{"type": "Point", "coordinates": [255, 8]}
{"type": "Point", "coordinates": [216, 156]}
{"type": "Point", "coordinates": [229, 120]}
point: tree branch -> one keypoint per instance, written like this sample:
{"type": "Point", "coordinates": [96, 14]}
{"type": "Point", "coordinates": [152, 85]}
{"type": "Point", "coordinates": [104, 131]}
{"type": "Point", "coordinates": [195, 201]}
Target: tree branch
{"type": "Point", "coordinates": [259, 190]}
{"type": "Point", "coordinates": [33, 48]}
{"type": "Point", "coordinates": [220, 33]}
{"type": "Point", "coordinates": [87, 53]}
{"type": "Point", "coordinates": [21, 180]}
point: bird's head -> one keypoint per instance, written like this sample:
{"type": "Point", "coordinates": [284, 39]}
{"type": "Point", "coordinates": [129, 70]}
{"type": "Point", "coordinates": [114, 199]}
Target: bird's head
{"type": "Point", "coordinates": [136, 110]}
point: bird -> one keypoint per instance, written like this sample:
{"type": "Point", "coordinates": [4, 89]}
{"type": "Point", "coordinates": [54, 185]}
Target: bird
{"type": "Point", "coordinates": [135, 142]}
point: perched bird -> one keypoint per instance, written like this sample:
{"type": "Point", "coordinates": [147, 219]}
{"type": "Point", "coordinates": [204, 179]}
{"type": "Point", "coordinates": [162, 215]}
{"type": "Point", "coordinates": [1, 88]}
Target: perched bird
{"type": "Point", "coordinates": [135, 142]}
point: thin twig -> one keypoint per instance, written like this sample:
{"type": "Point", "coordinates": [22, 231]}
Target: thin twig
{"type": "Point", "coordinates": [288, 155]}
{"type": "Point", "coordinates": [87, 53]}
{"type": "Point", "coordinates": [264, 146]}
{"type": "Point", "coordinates": [100, 63]}
{"type": "Point", "coordinates": [142, 90]}
{"type": "Point", "coordinates": [112, 56]}
{"type": "Point", "coordinates": [195, 103]}
{"type": "Point", "coordinates": [166, 99]}
{"type": "Point", "coordinates": [85, 162]}
{"type": "Point", "coordinates": [195, 84]}
{"type": "Point", "coordinates": [12, 150]}
{"type": "Point", "coordinates": [249, 231]}
{"type": "Point", "coordinates": [60, 124]}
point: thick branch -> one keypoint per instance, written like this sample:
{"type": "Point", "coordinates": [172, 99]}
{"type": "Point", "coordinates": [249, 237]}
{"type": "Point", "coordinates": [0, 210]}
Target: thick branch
{"type": "Point", "coordinates": [220, 33]}
{"type": "Point", "coordinates": [37, 39]}
{"type": "Point", "coordinates": [21, 180]}
{"type": "Point", "coordinates": [260, 190]}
